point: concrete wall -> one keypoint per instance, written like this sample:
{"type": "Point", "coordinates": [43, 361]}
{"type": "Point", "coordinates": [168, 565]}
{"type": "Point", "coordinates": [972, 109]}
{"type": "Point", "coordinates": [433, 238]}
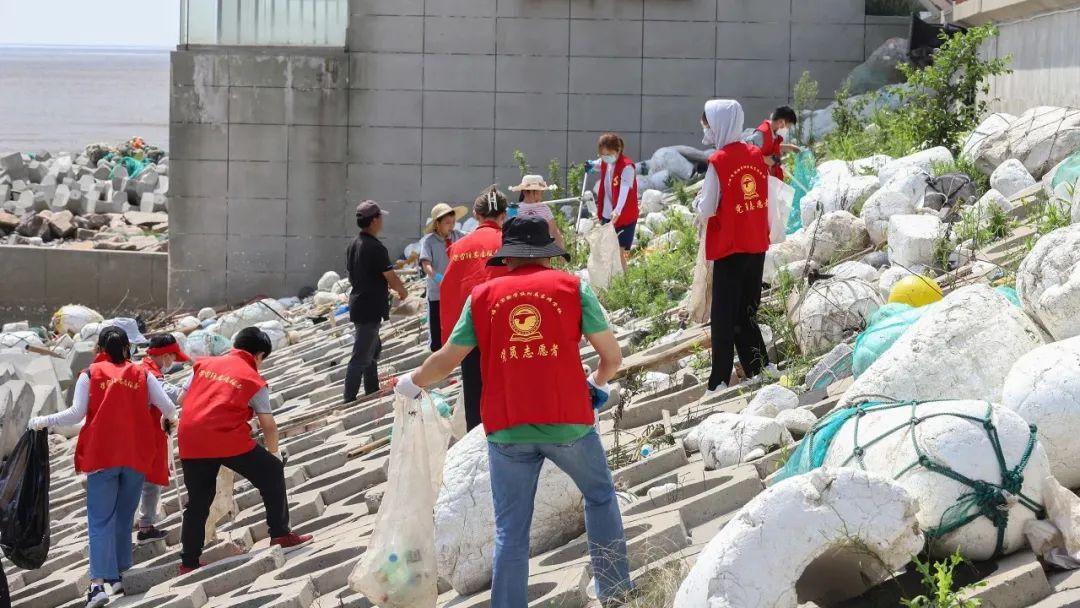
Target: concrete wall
{"type": "Point", "coordinates": [272, 148]}
{"type": "Point", "coordinates": [38, 280]}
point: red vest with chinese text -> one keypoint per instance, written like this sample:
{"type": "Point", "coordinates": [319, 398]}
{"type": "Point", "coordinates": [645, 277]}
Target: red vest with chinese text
{"type": "Point", "coordinates": [159, 463]}
{"type": "Point", "coordinates": [528, 326]}
{"type": "Point", "coordinates": [630, 210]}
{"type": "Point", "coordinates": [770, 146]}
{"type": "Point", "coordinates": [467, 269]}
{"type": "Point", "coordinates": [117, 432]}
{"type": "Point", "coordinates": [741, 221]}
{"type": "Point", "coordinates": [216, 416]}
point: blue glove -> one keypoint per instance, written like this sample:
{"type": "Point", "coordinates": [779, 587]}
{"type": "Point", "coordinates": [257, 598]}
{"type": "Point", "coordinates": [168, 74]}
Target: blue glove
{"type": "Point", "coordinates": [590, 166]}
{"type": "Point", "coordinates": [438, 278]}
{"type": "Point", "coordinates": [597, 392]}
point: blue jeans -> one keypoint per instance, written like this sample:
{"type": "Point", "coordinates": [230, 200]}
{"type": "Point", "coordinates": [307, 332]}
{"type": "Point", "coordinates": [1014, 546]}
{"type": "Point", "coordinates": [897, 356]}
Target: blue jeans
{"type": "Point", "coordinates": [515, 470]}
{"type": "Point", "coordinates": [112, 496]}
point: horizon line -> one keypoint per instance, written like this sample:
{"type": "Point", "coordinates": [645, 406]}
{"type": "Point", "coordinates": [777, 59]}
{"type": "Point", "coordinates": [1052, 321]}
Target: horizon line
{"type": "Point", "coordinates": [123, 47]}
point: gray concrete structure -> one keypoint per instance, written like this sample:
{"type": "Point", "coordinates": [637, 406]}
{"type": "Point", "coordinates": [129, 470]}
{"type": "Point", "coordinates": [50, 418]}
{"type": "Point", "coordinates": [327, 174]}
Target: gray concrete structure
{"type": "Point", "coordinates": [38, 280]}
{"type": "Point", "coordinates": [271, 147]}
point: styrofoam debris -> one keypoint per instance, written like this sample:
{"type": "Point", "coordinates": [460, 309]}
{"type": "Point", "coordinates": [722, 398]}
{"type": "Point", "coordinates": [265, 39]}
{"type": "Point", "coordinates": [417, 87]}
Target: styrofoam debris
{"type": "Point", "coordinates": [770, 400]}
{"type": "Point", "coordinates": [726, 439]}
{"type": "Point", "coordinates": [1048, 282]}
{"type": "Point", "coordinates": [1011, 177]}
{"type": "Point", "coordinates": [913, 240]}
{"type": "Point", "coordinates": [832, 309]}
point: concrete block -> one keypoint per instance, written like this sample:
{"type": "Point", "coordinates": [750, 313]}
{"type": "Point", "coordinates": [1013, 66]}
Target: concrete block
{"type": "Point", "coordinates": [538, 146]}
{"type": "Point", "coordinates": [532, 36]}
{"type": "Point", "coordinates": [195, 288]}
{"type": "Point", "coordinates": [459, 35]}
{"type": "Point", "coordinates": [615, 112]}
{"type": "Point", "coordinates": [317, 144]}
{"type": "Point", "coordinates": [196, 252]}
{"type": "Point", "coordinates": [582, 144]}
{"type": "Point", "coordinates": [403, 71]}
{"type": "Point", "coordinates": [124, 280]}
{"type": "Point", "coordinates": [679, 77]}
{"type": "Point", "coordinates": [375, 145]}
{"type": "Point", "coordinates": [829, 11]}
{"type": "Point", "coordinates": [659, 113]}
{"type": "Point", "coordinates": [14, 165]}
{"type": "Point", "coordinates": [460, 8]}
{"type": "Point", "coordinates": [608, 38]}
{"type": "Point", "coordinates": [1019, 581]}
{"type": "Point", "coordinates": [459, 72]}
{"type": "Point", "coordinates": [605, 75]}
{"type": "Point", "coordinates": [459, 110]}
{"type": "Point", "coordinates": [312, 256]}
{"type": "Point", "coordinates": [390, 34]}
{"type": "Point", "coordinates": [682, 10]}
{"type": "Point", "coordinates": [384, 182]}
{"type": "Point", "coordinates": [386, 7]}
{"type": "Point", "coordinates": [243, 286]}
{"type": "Point", "coordinates": [531, 74]}
{"type": "Point", "coordinates": [1061, 599]}
{"type": "Point", "coordinates": [255, 68]}
{"type": "Point", "coordinates": [678, 39]}
{"type": "Point", "coordinates": [255, 254]}
{"type": "Point", "coordinates": [530, 111]}
{"type": "Point", "coordinates": [385, 108]}
{"type": "Point", "coordinates": [454, 183]}
{"type": "Point", "coordinates": [316, 181]}
{"type": "Point", "coordinates": [752, 41]}
{"type": "Point", "coordinates": [331, 217]}
{"type": "Point", "coordinates": [255, 217]}
{"type": "Point", "coordinates": [607, 9]}
{"type": "Point", "coordinates": [760, 106]}
{"type": "Point", "coordinates": [877, 34]}
{"type": "Point", "coordinates": [203, 68]}
{"type": "Point", "coordinates": [458, 147]}
{"type": "Point", "coordinates": [827, 41]}
{"type": "Point", "coordinates": [748, 77]}
{"type": "Point", "coordinates": [196, 215]}
{"type": "Point", "coordinates": [320, 106]}
{"type": "Point", "coordinates": [756, 10]}
{"type": "Point", "coordinates": [258, 142]}
{"type": "Point", "coordinates": [257, 179]}
{"type": "Point", "coordinates": [202, 104]}
{"type": "Point", "coordinates": [71, 276]}
{"type": "Point", "coordinates": [534, 8]}
{"type": "Point", "coordinates": [323, 69]}
{"type": "Point", "coordinates": [257, 105]}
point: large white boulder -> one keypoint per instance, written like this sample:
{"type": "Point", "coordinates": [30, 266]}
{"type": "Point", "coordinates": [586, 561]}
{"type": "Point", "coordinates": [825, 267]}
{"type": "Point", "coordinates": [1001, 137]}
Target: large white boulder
{"type": "Point", "coordinates": [1043, 387]}
{"type": "Point", "coordinates": [1011, 177]}
{"type": "Point", "coordinates": [948, 435]}
{"type": "Point", "coordinates": [266, 309]}
{"type": "Point", "coordinates": [798, 420]}
{"type": "Point", "coordinates": [835, 235]}
{"type": "Point", "coordinates": [923, 160]}
{"type": "Point", "coordinates": [781, 254]}
{"type": "Point", "coordinates": [880, 207]}
{"type": "Point", "coordinates": [465, 514]}
{"type": "Point", "coordinates": [986, 204]}
{"type": "Point", "coordinates": [652, 201]}
{"type": "Point", "coordinates": [853, 527]}
{"type": "Point", "coordinates": [913, 240]}
{"type": "Point", "coordinates": [1048, 282]}
{"type": "Point", "coordinates": [961, 349]}
{"type": "Point", "coordinates": [993, 125]}
{"type": "Point", "coordinates": [836, 193]}
{"type": "Point", "coordinates": [871, 164]}
{"type": "Point", "coordinates": [770, 400]}
{"type": "Point", "coordinates": [1040, 138]}
{"type": "Point", "coordinates": [327, 280]}
{"type": "Point", "coordinates": [830, 311]}
{"type": "Point", "coordinates": [726, 439]}
{"type": "Point", "coordinates": [889, 278]}
{"type": "Point", "coordinates": [669, 159]}
{"type": "Point", "coordinates": [856, 270]}
{"type": "Point", "coordinates": [910, 182]}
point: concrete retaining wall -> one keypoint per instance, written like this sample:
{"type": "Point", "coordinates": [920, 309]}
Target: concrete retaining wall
{"type": "Point", "coordinates": [37, 280]}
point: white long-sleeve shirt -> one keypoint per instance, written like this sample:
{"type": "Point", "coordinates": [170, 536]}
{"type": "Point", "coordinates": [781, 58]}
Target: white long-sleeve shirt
{"type": "Point", "coordinates": [708, 198]}
{"type": "Point", "coordinates": [75, 414]}
{"type": "Point", "coordinates": [626, 178]}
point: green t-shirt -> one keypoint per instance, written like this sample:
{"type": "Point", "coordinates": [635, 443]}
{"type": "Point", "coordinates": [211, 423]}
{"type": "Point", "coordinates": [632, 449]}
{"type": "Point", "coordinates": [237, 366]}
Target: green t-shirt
{"type": "Point", "coordinates": [593, 320]}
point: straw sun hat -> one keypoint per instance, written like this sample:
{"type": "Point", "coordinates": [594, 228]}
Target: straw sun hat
{"type": "Point", "coordinates": [442, 210]}
{"type": "Point", "coordinates": [532, 182]}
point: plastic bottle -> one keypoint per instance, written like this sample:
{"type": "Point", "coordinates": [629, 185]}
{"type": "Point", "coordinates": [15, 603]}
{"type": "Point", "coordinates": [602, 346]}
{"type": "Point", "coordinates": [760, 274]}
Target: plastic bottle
{"type": "Point", "coordinates": [395, 570]}
{"type": "Point", "coordinates": [647, 450]}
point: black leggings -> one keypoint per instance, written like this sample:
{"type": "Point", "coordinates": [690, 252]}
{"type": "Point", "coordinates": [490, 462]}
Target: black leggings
{"type": "Point", "coordinates": [735, 301]}
{"type": "Point", "coordinates": [471, 386]}
{"type": "Point", "coordinates": [258, 466]}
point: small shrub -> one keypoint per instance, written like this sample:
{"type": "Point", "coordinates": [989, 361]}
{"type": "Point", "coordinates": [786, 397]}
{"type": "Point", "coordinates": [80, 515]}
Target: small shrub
{"type": "Point", "coordinates": [963, 164]}
{"type": "Point", "coordinates": [522, 162]}
{"type": "Point", "coordinates": [805, 99]}
{"type": "Point", "coordinates": [938, 580]}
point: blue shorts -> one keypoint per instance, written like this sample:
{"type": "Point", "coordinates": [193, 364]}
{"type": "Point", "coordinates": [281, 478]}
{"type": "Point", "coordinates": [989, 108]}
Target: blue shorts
{"type": "Point", "coordinates": [625, 234]}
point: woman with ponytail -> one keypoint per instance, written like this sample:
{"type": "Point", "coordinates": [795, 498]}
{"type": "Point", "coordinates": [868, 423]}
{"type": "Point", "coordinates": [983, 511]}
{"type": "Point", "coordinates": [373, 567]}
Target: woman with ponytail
{"type": "Point", "coordinates": [114, 451]}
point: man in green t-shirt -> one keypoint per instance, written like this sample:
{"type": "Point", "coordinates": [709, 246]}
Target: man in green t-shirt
{"type": "Point", "coordinates": [537, 403]}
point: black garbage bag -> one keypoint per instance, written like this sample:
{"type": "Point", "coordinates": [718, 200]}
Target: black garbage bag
{"type": "Point", "coordinates": [24, 502]}
{"type": "Point", "coordinates": [950, 192]}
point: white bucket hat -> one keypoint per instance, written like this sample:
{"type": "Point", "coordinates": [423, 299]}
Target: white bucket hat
{"type": "Point", "coordinates": [533, 182]}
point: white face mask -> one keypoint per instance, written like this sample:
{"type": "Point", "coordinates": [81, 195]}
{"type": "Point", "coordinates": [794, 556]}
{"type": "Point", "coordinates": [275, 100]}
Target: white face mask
{"type": "Point", "coordinates": [708, 136]}
{"type": "Point", "coordinates": [609, 158]}
{"type": "Point", "coordinates": [783, 133]}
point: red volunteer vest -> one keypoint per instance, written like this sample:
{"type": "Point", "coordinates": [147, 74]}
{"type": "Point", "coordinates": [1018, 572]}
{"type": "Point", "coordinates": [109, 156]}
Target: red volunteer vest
{"type": "Point", "coordinates": [467, 269]}
{"type": "Point", "coordinates": [770, 146]}
{"type": "Point", "coordinates": [741, 222]}
{"type": "Point", "coordinates": [214, 423]}
{"type": "Point", "coordinates": [528, 326]}
{"type": "Point", "coordinates": [117, 432]}
{"type": "Point", "coordinates": [630, 210]}
{"type": "Point", "coordinates": [159, 462]}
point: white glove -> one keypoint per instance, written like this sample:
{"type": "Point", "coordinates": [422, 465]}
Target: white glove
{"type": "Point", "coordinates": [406, 388]}
{"type": "Point", "coordinates": [38, 423]}
{"type": "Point", "coordinates": [281, 455]}
{"type": "Point", "coordinates": [602, 387]}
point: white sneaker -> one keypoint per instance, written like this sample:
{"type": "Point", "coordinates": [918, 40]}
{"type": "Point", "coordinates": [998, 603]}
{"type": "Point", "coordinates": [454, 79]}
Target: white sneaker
{"type": "Point", "coordinates": [116, 588]}
{"type": "Point", "coordinates": [710, 393]}
{"type": "Point", "coordinates": [96, 596]}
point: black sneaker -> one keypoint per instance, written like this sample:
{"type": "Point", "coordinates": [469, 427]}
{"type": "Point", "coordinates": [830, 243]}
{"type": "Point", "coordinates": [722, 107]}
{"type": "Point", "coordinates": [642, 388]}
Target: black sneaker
{"type": "Point", "coordinates": [149, 535]}
{"type": "Point", "coordinates": [96, 596]}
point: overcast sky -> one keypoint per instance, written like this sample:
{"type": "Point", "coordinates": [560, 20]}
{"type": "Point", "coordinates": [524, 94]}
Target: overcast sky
{"type": "Point", "coordinates": [153, 23]}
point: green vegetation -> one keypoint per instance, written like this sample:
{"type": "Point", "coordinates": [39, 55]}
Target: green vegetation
{"type": "Point", "coordinates": [805, 99]}
{"type": "Point", "coordinates": [965, 165]}
{"type": "Point", "coordinates": [773, 312]}
{"type": "Point", "coordinates": [938, 580]}
{"type": "Point", "coordinates": [656, 281]}
{"type": "Point", "coordinates": [522, 162]}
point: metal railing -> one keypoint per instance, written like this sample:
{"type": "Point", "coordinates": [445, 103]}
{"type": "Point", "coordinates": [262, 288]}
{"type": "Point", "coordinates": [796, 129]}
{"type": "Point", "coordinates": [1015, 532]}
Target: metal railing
{"type": "Point", "coordinates": [264, 22]}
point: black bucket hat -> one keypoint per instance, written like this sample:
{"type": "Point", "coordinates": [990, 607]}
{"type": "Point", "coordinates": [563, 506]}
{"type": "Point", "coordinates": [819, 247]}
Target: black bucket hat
{"type": "Point", "coordinates": [529, 238]}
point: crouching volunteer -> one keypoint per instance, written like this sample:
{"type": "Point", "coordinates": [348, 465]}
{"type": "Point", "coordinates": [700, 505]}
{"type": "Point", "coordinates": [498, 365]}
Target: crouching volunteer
{"type": "Point", "coordinates": [116, 451]}
{"type": "Point", "coordinates": [733, 205]}
{"type": "Point", "coordinates": [537, 403]}
{"type": "Point", "coordinates": [435, 257]}
{"type": "Point", "coordinates": [163, 352]}
{"type": "Point", "coordinates": [617, 198]}
{"type": "Point", "coordinates": [467, 269]}
{"type": "Point", "coordinates": [223, 394]}
{"type": "Point", "coordinates": [769, 137]}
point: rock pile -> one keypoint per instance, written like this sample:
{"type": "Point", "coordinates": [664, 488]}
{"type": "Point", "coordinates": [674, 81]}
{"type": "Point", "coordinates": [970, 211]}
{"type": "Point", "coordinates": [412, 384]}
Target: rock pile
{"type": "Point", "coordinates": [102, 198]}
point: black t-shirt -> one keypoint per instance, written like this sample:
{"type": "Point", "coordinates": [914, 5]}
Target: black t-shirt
{"type": "Point", "coordinates": [367, 260]}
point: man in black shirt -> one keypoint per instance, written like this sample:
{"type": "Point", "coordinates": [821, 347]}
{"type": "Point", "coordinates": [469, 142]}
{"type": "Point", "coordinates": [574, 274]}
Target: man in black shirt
{"type": "Point", "coordinates": [371, 275]}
